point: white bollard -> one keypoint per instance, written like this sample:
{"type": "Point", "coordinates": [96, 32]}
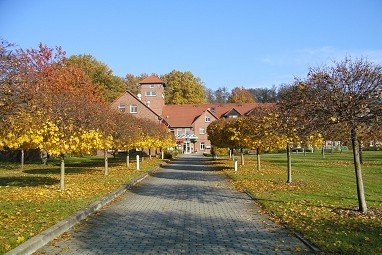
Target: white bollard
{"type": "Point", "coordinates": [137, 162]}
{"type": "Point", "coordinates": [235, 165]}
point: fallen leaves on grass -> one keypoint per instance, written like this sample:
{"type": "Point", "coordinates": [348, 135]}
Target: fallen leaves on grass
{"type": "Point", "coordinates": [29, 207]}
{"type": "Point", "coordinates": [261, 185]}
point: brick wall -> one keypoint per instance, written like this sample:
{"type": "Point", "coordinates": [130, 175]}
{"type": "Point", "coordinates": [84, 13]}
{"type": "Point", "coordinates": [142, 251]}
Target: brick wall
{"type": "Point", "coordinates": [127, 100]}
{"type": "Point", "coordinates": [157, 100]}
{"type": "Point", "coordinates": [201, 123]}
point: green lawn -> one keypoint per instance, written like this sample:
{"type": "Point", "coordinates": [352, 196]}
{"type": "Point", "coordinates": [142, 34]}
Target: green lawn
{"type": "Point", "coordinates": [30, 200]}
{"type": "Point", "coordinates": [321, 202]}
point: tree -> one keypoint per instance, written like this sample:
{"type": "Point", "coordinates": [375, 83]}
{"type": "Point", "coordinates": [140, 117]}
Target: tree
{"type": "Point", "coordinates": [221, 95]}
{"type": "Point", "coordinates": [240, 95]}
{"type": "Point", "coordinates": [210, 97]}
{"type": "Point", "coordinates": [183, 88]}
{"type": "Point", "coordinates": [346, 95]}
{"type": "Point", "coordinates": [61, 96]}
{"type": "Point", "coordinates": [21, 95]}
{"type": "Point", "coordinates": [100, 74]}
{"type": "Point", "coordinates": [264, 95]}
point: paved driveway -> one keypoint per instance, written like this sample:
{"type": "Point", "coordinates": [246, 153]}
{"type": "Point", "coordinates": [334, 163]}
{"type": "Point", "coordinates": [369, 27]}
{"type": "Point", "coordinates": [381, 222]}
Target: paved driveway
{"type": "Point", "coordinates": [189, 207]}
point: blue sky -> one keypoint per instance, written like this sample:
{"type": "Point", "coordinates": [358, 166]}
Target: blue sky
{"type": "Point", "coordinates": [248, 43]}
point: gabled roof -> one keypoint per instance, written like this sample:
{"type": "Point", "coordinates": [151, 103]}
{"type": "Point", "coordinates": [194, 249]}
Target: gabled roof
{"type": "Point", "coordinates": [184, 115]}
{"type": "Point", "coordinates": [152, 80]}
{"type": "Point", "coordinates": [206, 111]}
{"type": "Point", "coordinates": [141, 103]}
{"type": "Point", "coordinates": [233, 111]}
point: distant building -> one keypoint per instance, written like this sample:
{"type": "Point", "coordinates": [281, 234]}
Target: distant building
{"type": "Point", "coordinates": [188, 122]}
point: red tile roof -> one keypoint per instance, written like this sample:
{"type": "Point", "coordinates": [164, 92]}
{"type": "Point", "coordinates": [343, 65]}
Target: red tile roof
{"type": "Point", "coordinates": [184, 115]}
{"type": "Point", "coordinates": [151, 80]}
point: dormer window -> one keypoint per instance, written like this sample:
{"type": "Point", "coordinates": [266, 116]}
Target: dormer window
{"type": "Point", "coordinates": [213, 109]}
{"type": "Point", "coordinates": [152, 86]}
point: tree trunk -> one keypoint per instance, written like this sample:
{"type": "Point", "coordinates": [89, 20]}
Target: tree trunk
{"type": "Point", "coordinates": [62, 172]}
{"type": "Point", "coordinates": [149, 153]}
{"type": "Point", "coordinates": [230, 153]}
{"type": "Point", "coordinates": [162, 154]}
{"type": "Point", "coordinates": [289, 159]}
{"type": "Point", "coordinates": [304, 150]}
{"type": "Point", "coordinates": [358, 172]}
{"type": "Point", "coordinates": [242, 156]}
{"type": "Point", "coordinates": [258, 159]}
{"type": "Point", "coordinates": [22, 159]}
{"type": "Point", "coordinates": [106, 169]}
{"type": "Point", "coordinates": [360, 152]}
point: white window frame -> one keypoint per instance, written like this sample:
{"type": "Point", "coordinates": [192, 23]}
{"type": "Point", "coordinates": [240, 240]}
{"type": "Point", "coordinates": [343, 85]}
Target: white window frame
{"type": "Point", "coordinates": [133, 108]}
{"type": "Point", "coordinates": [202, 131]}
{"type": "Point", "coordinates": [179, 131]}
{"type": "Point", "coordinates": [151, 93]}
{"type": "Point", "coordinates": [207, 118]}
{"type": "Point", "coordinates": [187, 131]}
{"type": "Point", "coordinates": [202, 146]}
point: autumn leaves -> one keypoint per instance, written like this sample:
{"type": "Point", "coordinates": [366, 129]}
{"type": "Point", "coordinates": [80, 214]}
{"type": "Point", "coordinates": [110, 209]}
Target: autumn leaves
{"type": "Point", "coordinates": [51, 105]}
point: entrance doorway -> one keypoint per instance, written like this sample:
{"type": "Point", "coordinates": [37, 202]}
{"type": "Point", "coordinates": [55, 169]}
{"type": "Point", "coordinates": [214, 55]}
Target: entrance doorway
{"type": "Point", "coordinates": [187, 147]}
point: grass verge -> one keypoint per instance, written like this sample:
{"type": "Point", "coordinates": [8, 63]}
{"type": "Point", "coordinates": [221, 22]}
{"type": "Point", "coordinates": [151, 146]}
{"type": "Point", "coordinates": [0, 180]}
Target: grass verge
{"type": "Point", "coordinates": [31, 201]}
{"type": "Point", "coordinates": [321, 202]}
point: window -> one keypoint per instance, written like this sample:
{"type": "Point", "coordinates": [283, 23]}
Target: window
{"type": "Point", "coordinates": [188, 131]}
{"type": "Point", "coordinates": [202, 146]}
{"type": "Point", "coordinates": [179, 131]}
{"type": "Point", "coordinates": [133, 108]}
{"type": "Point", "coordinates": [208, 119]}
{"type": "Point", "coordinates": [201, 131]}
{"type": "Point", "coordinates": [122, 107]}
{"type": "Point", "coordinates": [232, 116]}
{"type": "Point", "coordinates": [151, 93]}
{"type": "Point", "coordinates": [152, 86]}
{"type": "Point", "coordinates": [213, 109]}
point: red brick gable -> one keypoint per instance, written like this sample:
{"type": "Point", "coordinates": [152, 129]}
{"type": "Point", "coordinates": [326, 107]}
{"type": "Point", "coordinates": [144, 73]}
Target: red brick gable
{"type": "Point", "coordinates": [143, 111]}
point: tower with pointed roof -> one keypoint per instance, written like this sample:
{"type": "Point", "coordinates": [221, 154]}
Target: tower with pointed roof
{"type": "Point", "coordinates": [152, 93]}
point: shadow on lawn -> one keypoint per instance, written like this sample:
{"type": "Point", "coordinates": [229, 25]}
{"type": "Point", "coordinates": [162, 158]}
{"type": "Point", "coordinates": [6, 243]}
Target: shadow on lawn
{"type": "Point", "coordinates": [56, 170]}
{"type": "Point", "coordinates": [27, 181]}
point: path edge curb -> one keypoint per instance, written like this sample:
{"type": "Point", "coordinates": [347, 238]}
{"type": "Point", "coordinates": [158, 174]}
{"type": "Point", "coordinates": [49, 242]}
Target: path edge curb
{"type": "Point", "coordinates": [35, 243]}
{"type": "Point", "coordinates": [302, 239]}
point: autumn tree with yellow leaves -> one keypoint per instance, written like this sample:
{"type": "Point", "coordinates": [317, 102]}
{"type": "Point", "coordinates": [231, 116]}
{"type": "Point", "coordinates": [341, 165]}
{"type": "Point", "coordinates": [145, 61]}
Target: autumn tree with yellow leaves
{"type": "Point", "coordinates": [345, 98]}
{"type": "Point", "coordinates": [240, 95]}
{"type": "Point", "coordinates": [50, 104]}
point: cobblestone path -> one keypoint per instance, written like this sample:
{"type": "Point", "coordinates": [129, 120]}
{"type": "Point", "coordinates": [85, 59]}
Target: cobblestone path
{"type": "Point", "coordinates": [186, 208]}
